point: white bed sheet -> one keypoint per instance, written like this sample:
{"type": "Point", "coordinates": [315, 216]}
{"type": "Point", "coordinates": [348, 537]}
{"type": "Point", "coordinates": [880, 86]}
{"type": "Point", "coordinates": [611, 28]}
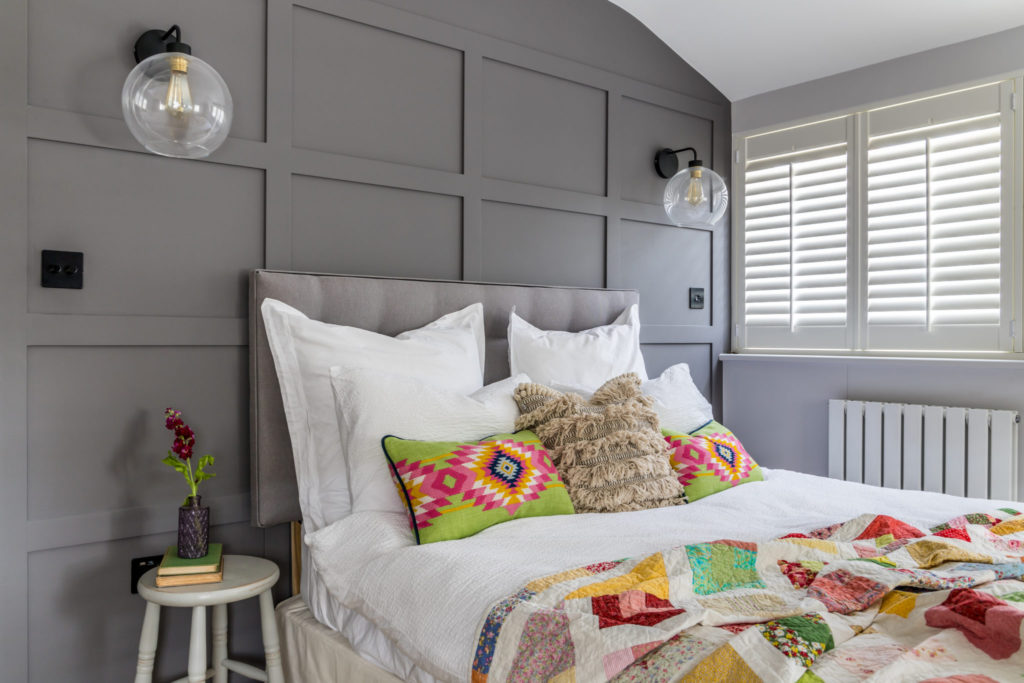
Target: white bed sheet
{"type": "Point", "coordinates": [430, 600]}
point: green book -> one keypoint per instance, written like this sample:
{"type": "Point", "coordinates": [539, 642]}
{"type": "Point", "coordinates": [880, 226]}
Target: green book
{"type": "Point", "coordinates": [172, 565]}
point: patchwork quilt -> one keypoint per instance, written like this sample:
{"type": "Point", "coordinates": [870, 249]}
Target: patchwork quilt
{"type": "Point", "coordinates": [873, 598]}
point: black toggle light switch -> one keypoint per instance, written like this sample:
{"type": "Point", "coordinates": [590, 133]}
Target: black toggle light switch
{"type": "Point", "coordinates": [62, 269]}
{"type": "Point", "coordinates": [696, 297]}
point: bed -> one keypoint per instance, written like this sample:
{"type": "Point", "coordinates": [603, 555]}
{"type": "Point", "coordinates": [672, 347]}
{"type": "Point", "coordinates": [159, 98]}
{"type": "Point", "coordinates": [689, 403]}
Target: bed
{"type": "Point", "coordinates": [374, 608]}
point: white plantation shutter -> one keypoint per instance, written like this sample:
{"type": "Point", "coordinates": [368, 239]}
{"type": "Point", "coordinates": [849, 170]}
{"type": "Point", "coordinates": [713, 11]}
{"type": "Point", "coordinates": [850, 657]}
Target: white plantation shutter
{"type": "Point", "coordinates": [794, 226]}
{"type": "Point", "coordinates": [939, 222]}
{"type": "Point", "coordinates": [888, 229]}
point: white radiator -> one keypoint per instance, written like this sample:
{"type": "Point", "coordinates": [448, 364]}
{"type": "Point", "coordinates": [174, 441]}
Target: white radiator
{"type": "Point", "coordinates": [960, 451]}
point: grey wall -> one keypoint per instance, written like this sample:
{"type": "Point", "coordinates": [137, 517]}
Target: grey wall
{"type": "Point", "coordinates": [778, 406]}
{"type": "Point", "coordinates": [948, 66]}
{"type": "Point", "coordinates": [792, 432]}
{"type": "Point", "coordinates": [499, 140]}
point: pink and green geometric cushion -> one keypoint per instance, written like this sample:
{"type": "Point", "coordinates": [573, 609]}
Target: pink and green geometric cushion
{"type": "Point", "coordinates": [453, 490]}
{"type": "Point", "coordinates": [710, 460]}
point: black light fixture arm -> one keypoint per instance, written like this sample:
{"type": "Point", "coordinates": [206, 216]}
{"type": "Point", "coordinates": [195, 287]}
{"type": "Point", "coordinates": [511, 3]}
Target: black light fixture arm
{"type": "Point", "coordinates": [666, 163]}
{"type": "Point", "coordinates": [155, 41]}
{"type": "Point", "coordinates": [686, 149]}
{"type": "Point", "coordinates": [175, 30]}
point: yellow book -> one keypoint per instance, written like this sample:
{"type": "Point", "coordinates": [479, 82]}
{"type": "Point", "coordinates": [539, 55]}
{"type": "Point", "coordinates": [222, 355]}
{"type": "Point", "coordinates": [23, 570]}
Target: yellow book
{"type": "Point", "coordinates": [192, 579]}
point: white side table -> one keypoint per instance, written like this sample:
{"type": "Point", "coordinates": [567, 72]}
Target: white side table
{"type": "Point", "coordinates": [244, 577]}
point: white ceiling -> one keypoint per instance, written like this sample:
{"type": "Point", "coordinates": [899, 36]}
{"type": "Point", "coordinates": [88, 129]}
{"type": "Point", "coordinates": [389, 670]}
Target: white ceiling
{"type": "Point", "coordinates": [746, 47]}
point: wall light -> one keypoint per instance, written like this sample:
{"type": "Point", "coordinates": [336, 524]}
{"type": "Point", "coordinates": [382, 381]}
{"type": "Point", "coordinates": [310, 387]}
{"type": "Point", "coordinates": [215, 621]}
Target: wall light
{"type": "Point", "coordinates": [695, 196]}
{"type": "Point", "coordinates": [175, 104]}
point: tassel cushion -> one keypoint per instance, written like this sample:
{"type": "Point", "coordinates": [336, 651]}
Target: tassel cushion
{"type": "Point", "coordinates": [608, 450]}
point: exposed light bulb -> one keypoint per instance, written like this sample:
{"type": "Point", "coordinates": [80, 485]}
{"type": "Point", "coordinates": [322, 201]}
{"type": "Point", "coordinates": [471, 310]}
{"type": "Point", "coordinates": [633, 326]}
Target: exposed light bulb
{"type": "Point", "coordinates": [695, 196]}
{"type": "Point", "coordinates": [175, 104]}
{"type": "Point", "coordinates": [695, 190]}
{"type": "Point", "coordinates": [179, 96]}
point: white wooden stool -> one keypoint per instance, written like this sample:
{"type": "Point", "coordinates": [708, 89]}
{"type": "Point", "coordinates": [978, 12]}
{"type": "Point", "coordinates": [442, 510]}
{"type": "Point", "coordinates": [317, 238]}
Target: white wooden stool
{"type": "Point", "coordinates": [244, 577]}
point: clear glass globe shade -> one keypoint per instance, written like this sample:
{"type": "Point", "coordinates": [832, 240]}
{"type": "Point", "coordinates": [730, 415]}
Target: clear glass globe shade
{"type": "Point", "coordinates": [696, 197]}
{"type": "Point", "coordinates": [177, 105]}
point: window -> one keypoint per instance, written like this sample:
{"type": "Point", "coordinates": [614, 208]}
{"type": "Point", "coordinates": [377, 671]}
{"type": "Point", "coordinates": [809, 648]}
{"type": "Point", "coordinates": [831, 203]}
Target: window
{"type": "Point", "coordinates": [796, 237]}
{"type": "Point", "coordinates": [890, 229]}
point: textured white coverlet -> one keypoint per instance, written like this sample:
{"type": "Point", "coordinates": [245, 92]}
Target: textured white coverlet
{"type": "Point", "coordinates": [432, 599]}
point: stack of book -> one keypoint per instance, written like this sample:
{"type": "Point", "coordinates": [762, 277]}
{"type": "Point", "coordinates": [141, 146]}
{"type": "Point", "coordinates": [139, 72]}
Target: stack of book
{"type": "Point", "coordinates": [176, 571]}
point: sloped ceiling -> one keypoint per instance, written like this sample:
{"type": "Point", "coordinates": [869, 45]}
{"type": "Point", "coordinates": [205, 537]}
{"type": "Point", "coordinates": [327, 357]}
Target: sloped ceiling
{"type": "Point", "coordinates": [746, 47]}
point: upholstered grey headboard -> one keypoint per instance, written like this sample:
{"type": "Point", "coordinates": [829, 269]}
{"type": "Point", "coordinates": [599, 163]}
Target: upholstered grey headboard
{"type": "Point", "coordinates": [389, 306]}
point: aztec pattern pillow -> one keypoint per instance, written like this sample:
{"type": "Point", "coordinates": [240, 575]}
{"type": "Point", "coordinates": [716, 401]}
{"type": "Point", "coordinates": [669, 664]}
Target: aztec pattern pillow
{"type": "Point", "coordinates": [454, 490]}
{"type": "Point", "coordinates": [710, 460]}
{"type": "Point", "coordinates": [608, 449]}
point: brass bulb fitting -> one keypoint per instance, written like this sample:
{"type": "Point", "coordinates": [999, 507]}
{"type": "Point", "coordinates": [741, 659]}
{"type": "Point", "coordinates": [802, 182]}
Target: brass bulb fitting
{"type": "Point", "coordinates": [179, 65]}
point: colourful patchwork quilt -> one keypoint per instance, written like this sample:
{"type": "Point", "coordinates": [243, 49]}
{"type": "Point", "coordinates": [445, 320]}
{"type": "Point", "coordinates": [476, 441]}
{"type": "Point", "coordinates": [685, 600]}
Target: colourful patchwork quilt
{"type": "Point", "coordinates": [873, 598]}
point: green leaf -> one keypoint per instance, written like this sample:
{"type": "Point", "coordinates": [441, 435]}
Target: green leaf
{"type": "Point", "coordinates": [201, 464]}
{"type": "Point", "coordinates": [181, 467]}
{"type": "Point", "coordinates": [177, 464]}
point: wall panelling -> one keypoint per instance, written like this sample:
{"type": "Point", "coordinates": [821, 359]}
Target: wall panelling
{"type": "Point", "coordinates": [78, 59]}
{"type": "Point", "coordinates": [664, 263]}
{"type": "Point", "coordinates": [374, 93]}
{"type": "Point", "coordinates": [73, 391]}
{"type": "Point", "coordinates": [340, 226]}
{"type": "Point", "coordinates": [163, 236]}
{"type": "Point", "coordinates": [498, 140]}
{"type": "Point", "coordinates": [643, 122]}
{"type": "Point", "coordinates": [543, 130]}
{"type": "Point", "coordinates": [542, 246]}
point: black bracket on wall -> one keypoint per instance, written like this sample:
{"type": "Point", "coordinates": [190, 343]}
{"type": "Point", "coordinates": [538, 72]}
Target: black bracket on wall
{"type": "Point", "coordinates": [666, 163]}
{"type": "Point", "coordinates": [62, 269]}
{"type": "Point", "coordinates": [155, 41]}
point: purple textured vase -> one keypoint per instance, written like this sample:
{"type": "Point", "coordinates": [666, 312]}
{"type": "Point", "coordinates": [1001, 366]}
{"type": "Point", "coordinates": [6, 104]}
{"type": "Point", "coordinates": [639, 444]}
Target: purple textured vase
{"type": "Point", "coordinates": [193, 529]}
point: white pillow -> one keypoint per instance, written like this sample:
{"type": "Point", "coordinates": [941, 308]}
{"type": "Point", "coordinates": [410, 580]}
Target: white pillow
{"type": "Point", "coordinates": [373, 404]}
{"type": "Point", "coordinates": [677, 400]}
{"type": "Point", "coordinates": [447, 353]}
{"type": "Point", "coordinates": [584, 359]}
{"type": "Point", "coordinates": [679, 404]}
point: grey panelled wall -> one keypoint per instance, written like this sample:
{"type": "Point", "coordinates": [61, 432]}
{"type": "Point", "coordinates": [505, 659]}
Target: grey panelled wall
{"type": "Point", "coordinates": [793, 433]}
{"type": "Point", "coordinates": [495, 140]}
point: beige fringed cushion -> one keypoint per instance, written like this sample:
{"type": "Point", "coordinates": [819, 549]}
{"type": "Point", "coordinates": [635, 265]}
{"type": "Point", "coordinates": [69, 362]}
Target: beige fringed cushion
{"type": "Point", "coordinates": [609, 450]}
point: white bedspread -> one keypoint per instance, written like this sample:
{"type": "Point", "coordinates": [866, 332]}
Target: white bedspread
{"type": "Point", "coordinates": [431, 599]}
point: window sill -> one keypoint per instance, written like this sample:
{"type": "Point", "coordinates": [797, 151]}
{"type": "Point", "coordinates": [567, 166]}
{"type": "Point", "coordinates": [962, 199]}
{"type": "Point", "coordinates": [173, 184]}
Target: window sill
{"type": "Point", "coordinates": [1003, 360]}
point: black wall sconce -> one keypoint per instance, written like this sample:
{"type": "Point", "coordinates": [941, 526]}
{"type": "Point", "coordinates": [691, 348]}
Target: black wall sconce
{"type": "Point", "coordinates": [666, 163]}
{"type": "Point", "coordinates": [174, 103]}
{"type": "Point", "coordinates": [695, 196]}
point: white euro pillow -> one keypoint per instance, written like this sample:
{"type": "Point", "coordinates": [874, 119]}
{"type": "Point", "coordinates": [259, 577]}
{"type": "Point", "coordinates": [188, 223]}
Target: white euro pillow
{"type": "Point", "coordinates": [372, 404]}
{"type": "Point", "coordinates": [584, 359]}
{"type": "Point", "coordinates": [447, 353]}
{"type": "Point", "coordinates": [677, 400]}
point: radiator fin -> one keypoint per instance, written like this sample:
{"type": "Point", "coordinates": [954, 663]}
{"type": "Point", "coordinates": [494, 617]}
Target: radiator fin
{"type": "Point", "coordinates": [960, 451]}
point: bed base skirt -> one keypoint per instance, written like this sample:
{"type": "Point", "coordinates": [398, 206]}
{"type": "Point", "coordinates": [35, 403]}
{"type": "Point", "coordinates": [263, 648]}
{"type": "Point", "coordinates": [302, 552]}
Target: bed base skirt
{"type": "Point", "coordinates": [314, 653]}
